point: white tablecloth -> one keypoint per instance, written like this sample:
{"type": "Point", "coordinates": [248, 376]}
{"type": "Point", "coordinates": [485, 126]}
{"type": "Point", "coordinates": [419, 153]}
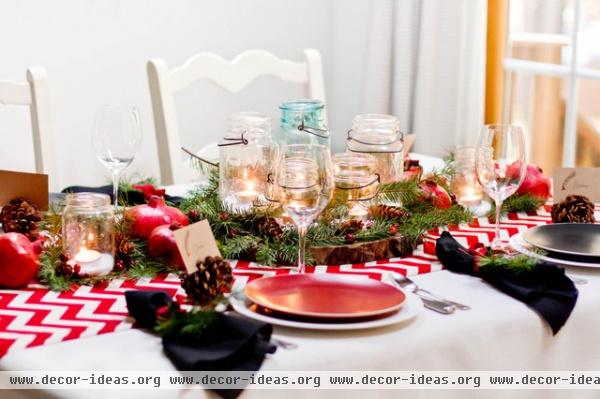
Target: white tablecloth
{"type": "Point", "coordinates": [498, 333]}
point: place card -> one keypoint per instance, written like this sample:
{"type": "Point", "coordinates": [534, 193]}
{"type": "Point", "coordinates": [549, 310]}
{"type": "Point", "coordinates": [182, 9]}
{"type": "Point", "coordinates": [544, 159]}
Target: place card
{"type": "Point", "coordinates": [580, 181]}
{"type": "Point", "coordinates": [30, 186]}
{"type": "Point", "coordinates": [196, 242]}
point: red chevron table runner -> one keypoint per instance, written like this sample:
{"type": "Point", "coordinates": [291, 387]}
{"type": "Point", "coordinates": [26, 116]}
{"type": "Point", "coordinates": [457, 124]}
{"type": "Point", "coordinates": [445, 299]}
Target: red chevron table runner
{"type": "Point", "coordinates": [36, 316]}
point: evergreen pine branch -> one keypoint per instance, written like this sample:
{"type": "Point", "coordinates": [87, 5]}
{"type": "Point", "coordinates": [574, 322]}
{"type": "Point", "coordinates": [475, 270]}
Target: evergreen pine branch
{"type": "Point", "coordinates": [404, 192]}
{"type": "Point", "coordinates": [191, 323]}
{"type": "Point", "coordinates": [518, 203]}
{"type": "Point", "coordinates": [234, 248]}
{"type": "Point", "coordinates": [426, 217]}
{"type": "Point", "coordinates": [202, 165]}
{"type": "Point", "coordinates": [516, 264]}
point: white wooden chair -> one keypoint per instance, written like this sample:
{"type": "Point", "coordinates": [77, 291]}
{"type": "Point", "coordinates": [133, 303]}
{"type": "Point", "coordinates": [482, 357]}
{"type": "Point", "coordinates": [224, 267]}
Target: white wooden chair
{"type": "Point", "coordinates": [232, 76]}
{"type": "Point", "coordinates": [34, 93]}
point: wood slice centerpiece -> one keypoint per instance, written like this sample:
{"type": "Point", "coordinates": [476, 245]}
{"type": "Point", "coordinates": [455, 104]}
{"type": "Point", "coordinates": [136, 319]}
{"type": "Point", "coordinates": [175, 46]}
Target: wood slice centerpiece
{"type": "Point", "coordinates": [361, 252]}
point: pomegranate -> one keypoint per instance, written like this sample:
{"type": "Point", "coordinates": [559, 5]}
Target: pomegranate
{"type": "Point", "coordinates": [149, 190]}
{"type": "Point", "coordinates": [436, 194]}
{"type": "Point", "coordinates": [18, 260]}
{"type": "Point", "coordinates": [161, 244]}
{"type": "Point", "coordinates": [534, 183]}
{"type": "Point", "coordinates": [148, 216]}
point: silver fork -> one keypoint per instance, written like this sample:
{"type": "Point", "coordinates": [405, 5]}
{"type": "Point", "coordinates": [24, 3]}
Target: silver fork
{"type": "Point", "coordinates": [408, 284]}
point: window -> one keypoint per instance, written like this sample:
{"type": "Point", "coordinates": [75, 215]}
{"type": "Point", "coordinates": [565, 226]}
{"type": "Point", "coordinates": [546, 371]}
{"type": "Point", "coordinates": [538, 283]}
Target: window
{"type": "Point", "coordinates": [552, 79]}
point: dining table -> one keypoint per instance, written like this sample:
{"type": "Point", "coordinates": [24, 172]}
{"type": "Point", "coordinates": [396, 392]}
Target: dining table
{"type": "Point", "coordinates": [498, 333]}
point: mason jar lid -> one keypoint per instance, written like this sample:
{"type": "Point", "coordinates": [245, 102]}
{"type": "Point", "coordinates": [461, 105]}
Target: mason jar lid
{"type": "Point", "coordinates": [87, 200]}
{"type": "Point", "coordinates": [302, 105]}
{"type": "Point", "coordinates": [247, 127]}
{"type": "Point", "coordinates": [353, 164]}
{"type": "Point", "coordinates": [375, 133]}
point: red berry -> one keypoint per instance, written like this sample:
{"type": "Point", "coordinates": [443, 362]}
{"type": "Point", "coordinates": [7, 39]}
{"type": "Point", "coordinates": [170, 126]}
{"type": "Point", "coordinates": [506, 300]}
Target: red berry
{"type": "Point", "coordinates": [162, 312]}
{"type": "Point", "coordinates": [223, 216]}
{"type": "Point", "coordinates": [350, 238]}
{"type": "Point", "coordinates": [119, 265]}
{"type": "Point", "coordinates": [478, 249]}
{"type": "Point", "coordinates": [194, 215]}
{"type": "Point", "coordinates": [76, 269]}
{"type": "Point", "coordinates": [394, 229]}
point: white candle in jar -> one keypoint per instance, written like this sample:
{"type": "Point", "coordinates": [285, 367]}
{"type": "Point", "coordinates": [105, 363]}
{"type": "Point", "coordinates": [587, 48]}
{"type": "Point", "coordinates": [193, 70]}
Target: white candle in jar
{"type": "Point", "coordinates": [93, 263]}
{"type": "Point", "coordinates": [248, 194]}
{"type": "Point", "coordinates": [470, 196]}
{"type": "Point", "coordinates": [87, 256]}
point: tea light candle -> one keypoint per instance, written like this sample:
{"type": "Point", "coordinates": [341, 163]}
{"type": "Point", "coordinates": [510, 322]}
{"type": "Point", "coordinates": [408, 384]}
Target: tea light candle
{"type": "Point", "coordinates": [87, 256]}
{"type": "Point", "coordinates": [358, 211]}
{"type": "Point", "coordinates": [469, 196]}
{"type": "Point", "coordinates": [93, 263]}
{"type": "Point", "coordinates": [248, 194]}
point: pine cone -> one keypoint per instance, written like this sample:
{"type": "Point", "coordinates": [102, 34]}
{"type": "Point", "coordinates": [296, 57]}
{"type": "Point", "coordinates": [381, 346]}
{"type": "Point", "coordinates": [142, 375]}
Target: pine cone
{"type": "Point", "coordinates": [21, 216]}
{"type": "Point", "coordinates": [573, 209]}
{"type": "Point", "coordinates": [388, 212]}
{"type": "Point", "coordinates": [351, 226]}
{"type": "Point", "coordinates": [270, 227]}
{"type": "Point", "coordinates": [64, 268]}
{"type": "Point", "coordinates": [213, 278]}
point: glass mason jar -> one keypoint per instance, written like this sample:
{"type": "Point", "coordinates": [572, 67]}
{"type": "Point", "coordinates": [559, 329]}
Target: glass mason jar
{"type": "Point", "coordinates": [464, 182]}
{"type": "Point", "coordinates": [302, 122]}
{"type": "Point", "coordinates": [88, 233]}
{"type": "Point", "coordinates": [380, 136]}
{"type": "Point", "coordinates": [355, 177]}
{"type": "Point", "coordinates": [246, 157]}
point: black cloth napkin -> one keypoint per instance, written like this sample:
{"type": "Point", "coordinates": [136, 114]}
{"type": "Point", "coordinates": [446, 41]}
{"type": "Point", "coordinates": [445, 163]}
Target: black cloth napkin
{"type": "Point", "coordinates": [231, 343]}
{"type": "Point", "coordinates": [546, 289]}
{"type": "Point", "coordinates": [132, 197]}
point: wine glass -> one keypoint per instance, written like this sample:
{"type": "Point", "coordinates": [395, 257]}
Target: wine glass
{"type": "Point", "coordinates": [116, 139]}
{"type": "Point", "coordinates": [500, 166]}
{"type": "Point", "coordinates": [304, 186]}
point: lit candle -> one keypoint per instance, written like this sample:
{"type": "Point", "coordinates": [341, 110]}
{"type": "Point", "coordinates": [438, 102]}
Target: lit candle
{"type": "Point", "coordinates": [358, 211]}
{"type": "Point", "coordinates": [87, 255]}
{"type": "Point", "coordinates": [248, 194]}
{"type": "Point", "coordinates": [93, 263]}
{"type": "Point", "coordinates": [470, 196]}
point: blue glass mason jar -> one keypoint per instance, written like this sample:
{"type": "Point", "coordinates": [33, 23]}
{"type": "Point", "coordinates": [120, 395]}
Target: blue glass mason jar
{"type": "Point", "coordinates": [302, 122]}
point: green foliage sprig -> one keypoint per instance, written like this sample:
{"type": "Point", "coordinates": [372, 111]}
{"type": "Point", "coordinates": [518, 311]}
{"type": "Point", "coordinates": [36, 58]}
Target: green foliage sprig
{"type": "Point", "coordinates": [515, 264]}
{"type": "Point", "coordinates": [142, 264]}
{"type": "Point", "coordinates": [176, 321]}
{"type": "Point", "coordinates": [518, 203]}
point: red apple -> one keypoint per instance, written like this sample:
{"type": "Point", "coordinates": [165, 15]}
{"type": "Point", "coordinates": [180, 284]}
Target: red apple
{"type": "Point", "coordinates": [18, 260]}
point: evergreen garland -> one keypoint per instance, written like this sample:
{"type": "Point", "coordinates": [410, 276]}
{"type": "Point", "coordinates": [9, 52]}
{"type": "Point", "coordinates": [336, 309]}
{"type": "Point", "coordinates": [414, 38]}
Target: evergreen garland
{"type": "Point", "coordinates": [142, 264]}
{"type": "Point", "coordinates": [239, 235]}
{"type": "Point", "coordinates": [519, 203]}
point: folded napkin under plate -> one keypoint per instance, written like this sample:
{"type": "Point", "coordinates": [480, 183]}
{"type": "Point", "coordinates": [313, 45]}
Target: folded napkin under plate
{"type": "Point", "coordinates": [545, 289]}
{"type": "Point", "coordinates": [231, 343]}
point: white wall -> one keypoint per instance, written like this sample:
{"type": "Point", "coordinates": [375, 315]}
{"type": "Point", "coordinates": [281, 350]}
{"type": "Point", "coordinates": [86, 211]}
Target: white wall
{"type": "Point", "coordinates": [95, 52]}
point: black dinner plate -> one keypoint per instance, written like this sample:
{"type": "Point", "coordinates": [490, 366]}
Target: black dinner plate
{"type": "Point", "coordinates": [579, 239]}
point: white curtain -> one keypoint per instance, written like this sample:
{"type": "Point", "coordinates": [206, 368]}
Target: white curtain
{"type": "Point", "coordinates": [425, 63]}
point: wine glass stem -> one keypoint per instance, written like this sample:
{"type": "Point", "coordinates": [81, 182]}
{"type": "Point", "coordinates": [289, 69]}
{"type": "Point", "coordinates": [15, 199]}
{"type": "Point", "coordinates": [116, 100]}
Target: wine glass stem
{"type": "Point", "coordinates": [497, 243]}
{"type": "Point", "coordinates": [115, 182]}
{"type": "Point", "coordinates": [301, 248]}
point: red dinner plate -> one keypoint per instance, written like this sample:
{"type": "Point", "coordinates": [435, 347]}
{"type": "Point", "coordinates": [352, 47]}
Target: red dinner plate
{"type": "Point", "coordinates": [325, 295]}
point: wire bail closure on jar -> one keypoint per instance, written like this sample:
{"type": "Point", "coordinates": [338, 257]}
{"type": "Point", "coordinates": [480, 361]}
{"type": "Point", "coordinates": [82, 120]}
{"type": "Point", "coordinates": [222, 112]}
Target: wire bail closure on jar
{"type": "Point", "coordinates": [234, 141]}
{"type": "Point", "coordinates": [377, 181]}
{"type": "Point", "coordinates": [398, 139]}
{"type": "Point", "coordinates": [313, 130]}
